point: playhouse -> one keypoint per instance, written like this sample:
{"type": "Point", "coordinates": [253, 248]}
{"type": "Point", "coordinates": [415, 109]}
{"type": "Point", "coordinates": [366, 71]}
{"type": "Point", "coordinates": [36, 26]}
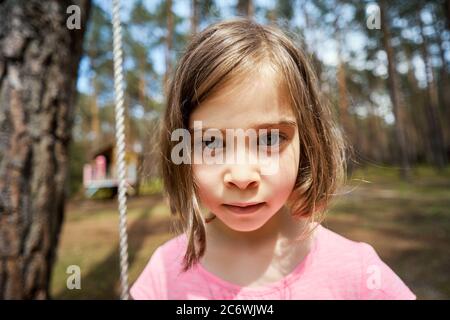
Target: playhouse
{"type": "Point", "coordinates": [100, 172]}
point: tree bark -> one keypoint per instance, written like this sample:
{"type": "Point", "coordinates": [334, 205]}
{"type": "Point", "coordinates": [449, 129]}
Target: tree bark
{"type": "Point", "coordinates": [245, 8]}
{"type": "Point", "coordinates": [432, 108]}
{"type": "Point", "coordinates": [395, 93]}
{"type": "Point", "coordinates": [39, 59]}
{"type": "Point", "coordinates": [443, 87]}
{"type": "Point", "coordinates": [195, 17]}
{"type": "Point", "coordinates": [345, 118]}
{"type": "Point", "coordinates": [95, 121]}
{"type": "Point", "coordinates": [447, 12]}
{"type": "Point", "coordinates": [169, 44]}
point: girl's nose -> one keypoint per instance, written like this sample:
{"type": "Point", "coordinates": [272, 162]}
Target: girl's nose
{"type": "Point", "coordinates": [242, 177]}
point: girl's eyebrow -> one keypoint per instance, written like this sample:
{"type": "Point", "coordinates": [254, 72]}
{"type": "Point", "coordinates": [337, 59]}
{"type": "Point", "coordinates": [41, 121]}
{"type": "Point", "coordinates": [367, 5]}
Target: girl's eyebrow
{"type": "Point", "coordinates": [280, 123]}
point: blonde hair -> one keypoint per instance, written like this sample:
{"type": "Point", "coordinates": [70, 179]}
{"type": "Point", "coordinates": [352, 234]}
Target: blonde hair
{"type": "Point", "coordinates": [223, 52]}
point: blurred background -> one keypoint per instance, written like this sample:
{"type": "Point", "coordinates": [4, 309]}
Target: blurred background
{"type": "Point", "coordinates": [383, 66]}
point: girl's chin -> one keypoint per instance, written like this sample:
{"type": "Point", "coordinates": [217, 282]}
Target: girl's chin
{"type": "Point", "coordinates": [243, 223]}
{"type": "Point", "coordinates": [244, 228]}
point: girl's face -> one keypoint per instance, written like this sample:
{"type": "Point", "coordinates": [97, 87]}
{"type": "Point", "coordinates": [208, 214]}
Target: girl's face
{"type": "Point", "coordinates": [226, 188]}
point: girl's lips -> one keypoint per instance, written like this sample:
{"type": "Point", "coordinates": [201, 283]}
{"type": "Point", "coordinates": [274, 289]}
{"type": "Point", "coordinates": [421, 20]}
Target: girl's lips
{"type": "Point", "coordinates": [244, 208]}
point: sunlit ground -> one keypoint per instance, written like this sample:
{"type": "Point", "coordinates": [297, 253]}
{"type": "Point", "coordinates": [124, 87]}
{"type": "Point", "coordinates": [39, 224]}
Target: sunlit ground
{"type": "Point", "coordinates": [407, 223]}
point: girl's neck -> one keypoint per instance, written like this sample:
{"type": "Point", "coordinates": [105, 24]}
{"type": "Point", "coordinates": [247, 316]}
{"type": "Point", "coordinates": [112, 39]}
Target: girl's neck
{"type": "Point", "coordinates": [258, 257]}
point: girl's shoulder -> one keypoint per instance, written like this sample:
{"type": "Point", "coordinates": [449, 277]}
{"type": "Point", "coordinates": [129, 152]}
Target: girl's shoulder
{"type": "Point", "coordinates": [155, 280]}
{"type": "Point", "coordinates": [334, 240]}
{"type": "Point", "coordinates": [342, 253]}
{"type": "Point", "coordinates": [174, 244]}
{"type": "Point", "coordinates": [358, 262]}
{"type": "Point", "coordinates": [335, 244]}
{"type": "Point", "coordinates": [171, 252]}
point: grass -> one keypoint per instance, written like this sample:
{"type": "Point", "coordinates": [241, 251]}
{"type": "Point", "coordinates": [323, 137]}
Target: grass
{"type": "Point", "coordinates": [408, 223]}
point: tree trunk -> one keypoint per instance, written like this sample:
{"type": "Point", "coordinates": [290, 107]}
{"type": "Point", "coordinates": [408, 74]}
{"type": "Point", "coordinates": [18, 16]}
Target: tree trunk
{"type": "Point", "coordinates": [39, 59]}
{"type": "Point", "coordinates": [416, 129]}
{"type": "Point", "coordinates": [195, 17]}
{"type": "Point", "coordinates": [169, 45]}
{"type": "Point", "coordinates": [245, 8]}
{"type": "Point", "coordinates": [432, 109]}
{"type": "Point", "coordinates": [443, 85]}
{"type": "Point", "coordinates": [395, 94]}
{"type": "Point", "coordinates": [343, 100]}
{"type": "Point", "coordinates": [95, 123]}
{"type": "Point", "coordinates": [447, 12]}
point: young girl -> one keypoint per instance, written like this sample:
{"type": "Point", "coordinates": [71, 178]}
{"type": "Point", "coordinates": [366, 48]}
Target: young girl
{"type": "Point", "coordinates": [250, 232]}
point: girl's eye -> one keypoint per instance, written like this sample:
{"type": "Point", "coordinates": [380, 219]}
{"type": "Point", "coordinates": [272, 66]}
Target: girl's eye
{"type": "Point", "coordinates": [271, 140]}
{"type": "Point", "coordinates": [213, 143]}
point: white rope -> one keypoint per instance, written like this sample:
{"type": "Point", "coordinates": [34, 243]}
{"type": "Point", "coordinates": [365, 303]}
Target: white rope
{"type": "Point", "coordinates": [120, 145]}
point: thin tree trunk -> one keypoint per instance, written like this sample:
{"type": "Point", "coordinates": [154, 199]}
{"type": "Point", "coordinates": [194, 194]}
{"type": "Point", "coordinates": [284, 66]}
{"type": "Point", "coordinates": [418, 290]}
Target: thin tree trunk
{"type": "Point", "coordinates": [395, 94]}
{"type": "Point", "coordinates": [343, 100]}
{"type": "Point", "coordinates": [310, 48]}
{"type": "Point", "coordinates": [95, 128]}
{"type": "Point", "coordinates": [377, 136]}
{"type": "Point", "coordinates": [432, 111]}
{"type": "Point", "coordinates": [39, 59]}
{"type": "Point", "coordinates": [169, 43]}
{"type": "Point", "coordinates": [195, 18]}
{"type": "Point", "coordinates": [447, 12]}
{"type": "Point", "coordinates": [416, 129]}
{"type": "Point", "coordinates": [443, 85]}
{"type": "Point", "coordinates": [344, 115]}
{"type": "Point", "coordinates": [245, 8]}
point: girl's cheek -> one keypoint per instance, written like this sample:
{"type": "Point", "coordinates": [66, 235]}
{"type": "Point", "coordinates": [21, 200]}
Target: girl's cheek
{"type": "Point", "coordinates": [288, 168]}
{"type": "Point", "coordinates": [205, 175]}
{"type": "Point", "coordinates": [284, 181]}
{"type": "Point", "coordinates": [207, 183]}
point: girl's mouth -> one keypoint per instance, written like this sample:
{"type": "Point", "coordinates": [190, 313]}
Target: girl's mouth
{"type": "Point", "coordinates": [244, 208]}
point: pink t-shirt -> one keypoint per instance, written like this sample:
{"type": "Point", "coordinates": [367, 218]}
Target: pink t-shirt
{"type": "Point", "coordinates": [335, 268]}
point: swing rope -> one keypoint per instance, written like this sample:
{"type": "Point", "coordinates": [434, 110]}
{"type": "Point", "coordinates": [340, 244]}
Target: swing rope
{"type": "Point", "coordinates": [120, 145]}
